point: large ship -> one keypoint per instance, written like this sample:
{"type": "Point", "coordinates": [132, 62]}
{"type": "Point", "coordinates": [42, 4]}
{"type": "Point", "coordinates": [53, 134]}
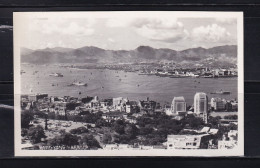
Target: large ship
{"type": "Point", "coordinates": [221, 92]}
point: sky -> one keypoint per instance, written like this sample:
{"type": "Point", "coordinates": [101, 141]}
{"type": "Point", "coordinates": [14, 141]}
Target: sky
{"type": "Point", "coordinates": [128, 32]}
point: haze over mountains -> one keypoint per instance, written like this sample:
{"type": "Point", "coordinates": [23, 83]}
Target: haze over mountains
{"type": "Point", "coordinates": [221, 55]}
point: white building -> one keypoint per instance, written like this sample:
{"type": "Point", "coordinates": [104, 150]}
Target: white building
{"type": "Point", "coordinates": [178, 105]}
{"type": "Point", "coordinates": [184, 141]}
{"type": "Point", "coordinates": [201, 105]}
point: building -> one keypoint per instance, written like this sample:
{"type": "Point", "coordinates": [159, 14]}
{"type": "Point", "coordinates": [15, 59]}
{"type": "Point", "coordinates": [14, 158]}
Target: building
{"type": "Point", "coordinates": [178, 105]}
{"type": "Point", "coordinates": [131, 107]}
{"type": "Point", "coordinates": [201, 105]}
{"type": "Point", "coordinates": [229, 141]}
{"type": "Point", "coordinates": [148, 105]}
{"type": "Point", "coordinates": [36, 97]}
{"type": "Point", "coordinates": [112, 116]}
{"type": "Point", "coordinates": [117, 101]}
{"type": "Point", "coordinates": [218, 104]}
{"type": "Point", "coordinates": [186, 141]}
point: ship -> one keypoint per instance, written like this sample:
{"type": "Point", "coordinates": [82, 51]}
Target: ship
{"type": "Point", "coordinates": [56, 74]}
{"type": "Point", "coordinates": [221, 92]}
{"type": "Point", "coordinates": [78, 84]}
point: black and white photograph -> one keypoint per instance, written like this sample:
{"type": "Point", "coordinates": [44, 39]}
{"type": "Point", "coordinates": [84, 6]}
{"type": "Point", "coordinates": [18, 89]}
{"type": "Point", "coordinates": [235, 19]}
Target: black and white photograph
{"type": "Point", "coordinates": [150, 83]}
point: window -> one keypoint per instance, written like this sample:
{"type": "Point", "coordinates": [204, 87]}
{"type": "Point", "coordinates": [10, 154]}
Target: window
{"type": "Point", "coordinates": [170, 145]}
{"type": "Point", "coordinates": [194, 144]}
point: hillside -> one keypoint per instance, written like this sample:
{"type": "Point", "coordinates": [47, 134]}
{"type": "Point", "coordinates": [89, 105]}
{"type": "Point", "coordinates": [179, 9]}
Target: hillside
{"type": "Point", "coordinates": [217, 55]}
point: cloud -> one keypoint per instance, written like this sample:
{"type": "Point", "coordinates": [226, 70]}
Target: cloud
{"type": "Point", "coordinates": [166, 30]}
{"type": "Point", "coordinates": [226, 20]}
{"type": "Point", "coordinates": [210, 33]}
{"type": "Point", "coordinates": [118, 22]}
{"type": "Point", "coordinates": [111, 40]}
{"type": "Point", "coordinates": [63, 26]}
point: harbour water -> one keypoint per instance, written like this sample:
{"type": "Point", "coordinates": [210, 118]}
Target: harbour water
{"type": "Point", "coordinates": [110, 83]}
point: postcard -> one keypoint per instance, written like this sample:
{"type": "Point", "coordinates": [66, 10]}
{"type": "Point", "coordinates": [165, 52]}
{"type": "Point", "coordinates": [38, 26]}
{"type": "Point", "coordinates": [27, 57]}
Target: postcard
{"type": "Point", "coordinates": [129, 83]}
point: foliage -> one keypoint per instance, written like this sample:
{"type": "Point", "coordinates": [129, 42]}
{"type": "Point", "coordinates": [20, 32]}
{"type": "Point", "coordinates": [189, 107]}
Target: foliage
{"type": "Point", "coordinates": [71, 106]}
{"type": "Point", "coordinates": [65, 138]}
{"type": "Point", "coordinates": [24, 132]}
{"type": "Point", "coordinates": [90, 141]}
{"type": "Point", "coordinates": [36, 133]}
{"type": "Point", "coordinates": [193, 122]}
{"type": "Point", "coordinates": [91, 117]}
{"type": "Point", "coordinates": [79, 130]}
{"type": "Point", "coordinates": [119, 126]}
{"type": "Point", "coordinates": [26, 118]}
{"type": "Point", "coordinates": [146, 130]}
{"type": "Point", "coordinates": [231, 117]}
{"type": "Point", "coordinates": [131, 131]}
{"type": "Point", "coordinates": [102, 123]}
{"type": "Point", "coordinates": [214, 121]}
{"type": "Point", "coordinates": [107, 138]}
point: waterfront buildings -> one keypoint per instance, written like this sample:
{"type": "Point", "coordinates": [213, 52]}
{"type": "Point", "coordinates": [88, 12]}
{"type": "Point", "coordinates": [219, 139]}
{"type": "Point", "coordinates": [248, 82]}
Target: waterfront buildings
{"type": "Point", "coordinates": [201, 105]}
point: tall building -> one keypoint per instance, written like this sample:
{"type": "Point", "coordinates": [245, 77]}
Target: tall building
{"type": "Point", "coordinates": [178, 105]}
{"type": "Point", "coordinates": [201, 105]}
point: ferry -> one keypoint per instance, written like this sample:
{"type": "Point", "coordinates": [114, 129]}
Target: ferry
{"type": "Point", "coordinates": [56, 74]}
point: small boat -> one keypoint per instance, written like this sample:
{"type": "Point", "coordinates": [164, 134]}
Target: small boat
{"type": "Point", "coordinates": [56, 74]}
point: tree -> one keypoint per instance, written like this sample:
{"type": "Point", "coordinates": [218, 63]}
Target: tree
{"type": "Point", "coordinates": [231, 117]}
{"type": "Point", "coordinates": [107, 138]}
{"type": "Point", "coordinates": [119, 126]}
{"type": "Point", "coordinates": [131, 131]}
{"type": "Point", "coordinates": [146, 130]}
{"type": "Point", "coordinates": [24, 132]}
{"type": "Point", "coordinates": [65, 138]}
{"type": "Point", "coordinates": [35, 134]}
{"type": "Point", "coordinates": [90, 141]}
{"type": "Point", "coordinates": [101, 123]}
{"type": "Point", "coordinates": [26, 118]}
{"type": "Point", "coordinates": [68, 139]}
{"type": "Point", "coordinates": [214, 121]}
{"type": "Point", "coordinates": [79, 130]}
{"type": "Point", "coordinates": [71, 106]}
{"type": "Point", "coordinates": [193, 122]}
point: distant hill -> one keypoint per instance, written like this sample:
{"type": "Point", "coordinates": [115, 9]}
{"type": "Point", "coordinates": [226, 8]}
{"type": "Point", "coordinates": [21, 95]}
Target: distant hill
{"type": "Point", "coordinates": [217, 55]}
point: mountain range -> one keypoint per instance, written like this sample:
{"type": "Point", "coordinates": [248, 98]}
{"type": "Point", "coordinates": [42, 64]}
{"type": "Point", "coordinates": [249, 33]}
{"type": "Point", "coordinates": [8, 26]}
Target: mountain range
{"type": "Point", "coordinates": [220, 55]}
